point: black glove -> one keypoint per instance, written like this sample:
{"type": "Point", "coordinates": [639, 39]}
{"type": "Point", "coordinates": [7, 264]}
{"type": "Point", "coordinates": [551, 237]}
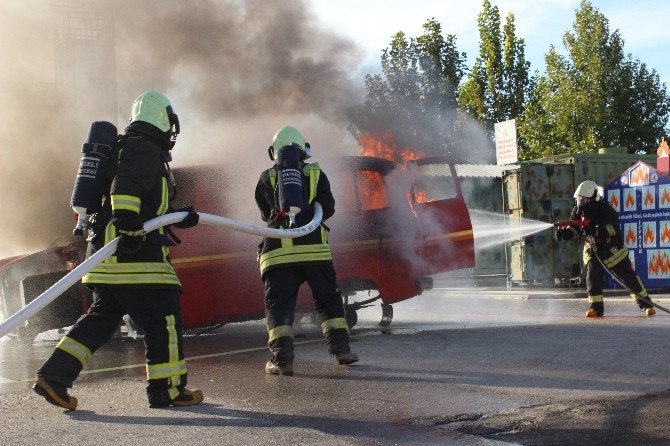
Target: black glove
{"type": "Point", "coordinates": [191, 219]}
{"type": "Point", "coordinates": [129, 226]}
{"type": "Point", "coordinates": [564, 233]}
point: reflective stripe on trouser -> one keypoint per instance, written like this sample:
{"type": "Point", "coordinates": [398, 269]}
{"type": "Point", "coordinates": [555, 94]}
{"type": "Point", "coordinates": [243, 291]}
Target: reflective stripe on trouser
{"type": "Point", "coordinates": [76, 349]}
{"type": "Point", "coordinates": [597, 298]}
{"type": "Point", "coordinates": [333, 324]}
{"type": "Point", "coordinates": [175, 367]}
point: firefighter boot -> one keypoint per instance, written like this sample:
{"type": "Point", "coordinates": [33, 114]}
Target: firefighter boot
{"type": "Point", "coordinates": [647, 308]}
{"type": "Point", "coordinates": [186, 397]}
{"type": "Point", "coordinates": [597, 310]}
{"type": "Point", "coordinates": [54, 393]}
{"type": "Point", "coordinates": [281, 368]}
{"type": "Point", "coordinates": [346, 358]}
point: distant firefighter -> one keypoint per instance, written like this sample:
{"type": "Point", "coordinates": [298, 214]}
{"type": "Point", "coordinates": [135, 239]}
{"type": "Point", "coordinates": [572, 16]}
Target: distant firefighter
{"type": "Point", "coordinates": [603, 229]}
{"type": "Point", "coordinates": [285, 195]}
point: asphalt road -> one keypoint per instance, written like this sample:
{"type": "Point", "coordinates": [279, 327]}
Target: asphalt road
{"type": "Point", "coordinates": [470, 366]}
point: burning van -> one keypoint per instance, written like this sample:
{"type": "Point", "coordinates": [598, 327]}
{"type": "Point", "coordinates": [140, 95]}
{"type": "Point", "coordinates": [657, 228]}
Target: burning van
{"type": "Point", "coordinates": [395, 225]}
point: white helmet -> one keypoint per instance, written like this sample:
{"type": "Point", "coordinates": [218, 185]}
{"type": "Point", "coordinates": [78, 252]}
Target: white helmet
{"type": "Point", "coordinates": [586, 191]}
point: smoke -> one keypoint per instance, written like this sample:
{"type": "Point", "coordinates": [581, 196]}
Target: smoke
{"type": "Point", "coordinates": [234, 70]}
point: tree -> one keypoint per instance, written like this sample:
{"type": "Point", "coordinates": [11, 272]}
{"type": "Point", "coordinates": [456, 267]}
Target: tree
{"type": "Point", "coordinates": [498, 86]}
{"type": "Point", "coordinates": [596, 96]}
{"type": "Point", "coordinates": [413, 101]}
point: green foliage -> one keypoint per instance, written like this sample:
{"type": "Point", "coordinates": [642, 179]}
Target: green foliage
{"type": "Point", "coordinates": [414, 99]}
{"type": "Point", "coordinates": [596, 96]}
{"type": "Point", "coordinates": [498, 86]}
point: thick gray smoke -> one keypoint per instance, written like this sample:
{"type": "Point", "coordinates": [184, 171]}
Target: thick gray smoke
{"type": "Point", "coordinates": [235, 71]}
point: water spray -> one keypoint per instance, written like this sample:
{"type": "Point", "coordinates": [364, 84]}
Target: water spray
{"type": "Point", "coordinates": [109, 249]}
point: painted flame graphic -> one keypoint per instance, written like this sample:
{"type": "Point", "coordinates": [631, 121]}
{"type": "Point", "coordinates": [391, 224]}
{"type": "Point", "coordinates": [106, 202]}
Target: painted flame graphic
{"type": "Point", "coordinates": [665, 198]}
{"type": "Point", "coordinates": [663, 149]}
{"type": "Point", "coordinates": [639, 176]}
{"type": "Point", "coordinates": [614, 201]}
{"type": "Point", "coordinates": [648, 236]}
{"type": "Point", "coordinates": [630, 236]}
{"type": "Point", "coordinates": [648, 198]}
{"type": "Point", "coordinates": [665, 234]}
{"type": "Point", "coordinates": [659, 263]}
{"type": "Point", "coordinates": [630, 201]}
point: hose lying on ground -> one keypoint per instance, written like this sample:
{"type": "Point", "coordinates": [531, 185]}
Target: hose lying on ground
{"type": "Point", "coordinates": [109, 249]}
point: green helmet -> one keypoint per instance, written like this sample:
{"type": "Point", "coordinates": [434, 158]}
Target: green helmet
{"type": "Point", "coordinates": [154, 108]}
{"type": "Point", "coordinates": [286, 136]}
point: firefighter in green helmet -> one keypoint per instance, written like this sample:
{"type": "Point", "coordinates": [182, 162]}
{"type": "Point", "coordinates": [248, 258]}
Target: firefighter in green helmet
{"type": "Point", "coordinates": [285, 264]}
{"type": "Point", "coordinates": [605, 238]}
{"type": "Point", "coordinates": [139, 279]}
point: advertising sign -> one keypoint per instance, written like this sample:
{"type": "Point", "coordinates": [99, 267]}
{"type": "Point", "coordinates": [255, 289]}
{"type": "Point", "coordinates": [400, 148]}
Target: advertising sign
{"type": "Point", "coordinates": [641, 196]}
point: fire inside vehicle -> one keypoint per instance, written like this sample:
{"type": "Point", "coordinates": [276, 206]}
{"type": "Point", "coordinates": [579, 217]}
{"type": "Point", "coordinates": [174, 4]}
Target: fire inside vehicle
{"type": "Point", "coordinates": [395, 226]}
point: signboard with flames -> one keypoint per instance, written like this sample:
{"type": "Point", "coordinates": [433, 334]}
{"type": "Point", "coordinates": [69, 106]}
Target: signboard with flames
{"type": "Point", "coordinates": [641, 196]}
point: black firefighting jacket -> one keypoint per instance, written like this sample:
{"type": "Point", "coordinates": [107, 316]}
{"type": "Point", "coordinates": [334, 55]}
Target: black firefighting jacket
{"type": "Point", "coordinates": [312, 248]}
{"type": "Point", "coordinates": [141, 186]}
{"type": "Point", "coordinates": [605, 230]}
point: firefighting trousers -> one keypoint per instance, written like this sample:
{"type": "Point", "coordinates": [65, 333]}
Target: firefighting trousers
{"type": "Point", "coordinates": [281, 292]}
{"type": "Point", "coordinates": [156, 311]}
{"type": "Point", "coordinates": [595, 281]}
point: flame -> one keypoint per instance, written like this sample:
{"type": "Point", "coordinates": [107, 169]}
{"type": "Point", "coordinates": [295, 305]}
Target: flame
{"type": "Point", "coordinates": [382, 145]}
{"type": "Point", "coordinates": [659, 263]}
{"type": "Point", "coordinates": [377, 146]}
{"type": "Point", "coordinates": [421, 197]}
{"type": "Point", "coordinates": [630, 237]}
{"type": "Point", "coordinates": [665, 198]}
{"type": "Point", "coordinates": [648, 236]}
{"type": "Point", "coordinates": [663, 149]}
{"type": "Point", "coordinates": [665, 234]}
{"type": "Point", "coordinates": [614, 201]}
{"type": "Point", "coordinates": [639, 176]}
{"type": "Point", "coordinates": [408, 155]}
{"type": "Point", "coordinates": [648, 198]}
{"type": "Point", "coordinates": [630, 201]}
{"type": "Point", "coordinates": [371, 190]}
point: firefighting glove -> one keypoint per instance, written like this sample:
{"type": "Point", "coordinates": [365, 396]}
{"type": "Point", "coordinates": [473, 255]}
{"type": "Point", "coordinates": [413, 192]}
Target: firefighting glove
{"type": "Point", "coordinates": [129, 226]}
{"type": "Point", "coordinates": [191, 219]}
{"type": "Point", "coordinates": [564, 233]}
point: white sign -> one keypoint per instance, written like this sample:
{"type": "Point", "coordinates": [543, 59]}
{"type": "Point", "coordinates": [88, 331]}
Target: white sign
{"type": "Point", "coordinates": [506, 147]}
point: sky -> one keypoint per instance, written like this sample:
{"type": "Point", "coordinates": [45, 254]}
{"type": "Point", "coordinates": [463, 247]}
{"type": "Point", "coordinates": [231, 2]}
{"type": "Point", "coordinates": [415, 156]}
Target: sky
{"type": "Point", "coordinates": [371, 23]}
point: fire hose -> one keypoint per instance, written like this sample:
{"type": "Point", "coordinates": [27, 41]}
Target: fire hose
{"type": "Point", "coordinates": [109, 249]}
{"type": "Point", "coordinates": [583, 223]}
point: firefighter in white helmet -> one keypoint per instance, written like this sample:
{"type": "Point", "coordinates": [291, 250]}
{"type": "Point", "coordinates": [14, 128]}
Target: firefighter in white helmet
{"type": "Point", "coordinates": [603, 229]}
{"type": "Point", "coordinates": [139, 279]}
{"type": "Point", "coordinates": [287, 263]}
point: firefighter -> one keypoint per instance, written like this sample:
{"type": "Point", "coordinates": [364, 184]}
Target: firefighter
{"type": "Point", "coordinates": [287, 263]}
{"type": "Point", "coordinates": [139, 279]}
{"type": "Point", "coordinates": [603, 229]}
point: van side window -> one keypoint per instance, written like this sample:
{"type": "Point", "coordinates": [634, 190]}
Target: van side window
{"type": "Point", "coordinates": [371, 190]}
{"type": "Point", "coordinates": [434, 183]}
